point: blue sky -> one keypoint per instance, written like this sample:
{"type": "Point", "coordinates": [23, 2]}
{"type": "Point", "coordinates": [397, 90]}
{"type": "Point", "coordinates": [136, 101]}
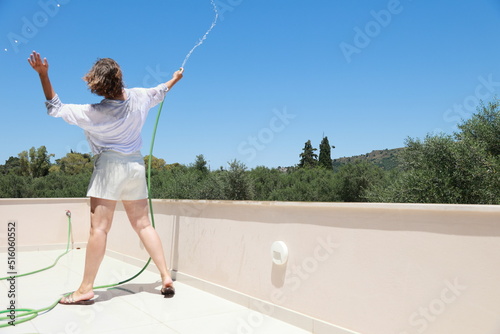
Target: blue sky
{"type": "Point", "coordinates": [271, 75]}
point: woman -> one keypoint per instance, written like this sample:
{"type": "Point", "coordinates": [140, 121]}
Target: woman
{"type": "Point", "coordinates": [113, 129]}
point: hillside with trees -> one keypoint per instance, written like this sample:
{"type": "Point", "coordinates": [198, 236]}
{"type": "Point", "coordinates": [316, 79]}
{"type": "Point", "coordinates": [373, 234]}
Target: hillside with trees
{"type": "Point", "coordinates": [460, 168]}
{"type": "Point", "coordinates": [386, 159]}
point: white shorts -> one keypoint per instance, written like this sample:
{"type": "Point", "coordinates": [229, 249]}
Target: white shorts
{"type": "Point", "coordinates": [118, 176]}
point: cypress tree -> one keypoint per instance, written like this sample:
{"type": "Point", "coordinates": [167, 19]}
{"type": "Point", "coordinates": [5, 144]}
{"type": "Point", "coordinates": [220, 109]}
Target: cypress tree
{"type": "Point", "coordinates": [308, 158]}
{"type": "Point", "coordinates": [325, 158]}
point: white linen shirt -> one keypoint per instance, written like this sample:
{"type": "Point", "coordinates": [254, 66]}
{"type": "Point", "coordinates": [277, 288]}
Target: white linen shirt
{"type": "Point", "coordinates": [111, 124]}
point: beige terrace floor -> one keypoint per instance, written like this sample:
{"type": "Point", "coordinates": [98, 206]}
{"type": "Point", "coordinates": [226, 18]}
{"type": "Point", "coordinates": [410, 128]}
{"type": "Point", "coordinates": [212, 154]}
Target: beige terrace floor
{"type": "Point", "coordinates": [135, 307]}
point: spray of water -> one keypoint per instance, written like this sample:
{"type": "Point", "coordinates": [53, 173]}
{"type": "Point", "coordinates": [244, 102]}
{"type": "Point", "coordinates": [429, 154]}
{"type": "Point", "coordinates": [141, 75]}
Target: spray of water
{"type": "Point", "coordinates": [200, 42]}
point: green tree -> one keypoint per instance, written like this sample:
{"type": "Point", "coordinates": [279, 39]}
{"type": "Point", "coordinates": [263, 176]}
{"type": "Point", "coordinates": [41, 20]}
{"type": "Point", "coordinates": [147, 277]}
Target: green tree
{"type": "Point", "coordinates": [308, 158]}
{"type": "Point", "coordinates": [306, 184]}
{"type": "Point", "coordinates": [442, 170]}
{"type": "Point", "coordinates": [75, 163]}
{"type": "Point", "coordinates": [463, 168]}
{"type": "Point", "coordinates": [35, 163]}
{"type": "Point", "coordinates": [61, 185]}
{"type": "Point", "coordinates": [357, 179]}
{"type": "Point", "coordinates": [428, 167]}
{"type": "Point", "coordinates": [173, 166]}
{"type": "Point", "coordinates": [325, 155]}
{"type": "Point", "coordinates": [483, 128]}
{"type": "Point", "coordinates": [12, 165]}
{"type": "Point", "coordinates": [237, 183]}
{"type": "Point", "coordinates": [156, 163]}
{"type": "Point", "coordinates": [200, 164]}
{"type": "Point", "coordinates": [211, 187]}
{"type": "Point", "coordinates": [265, 181]}
{"type": "Point", "coordinates": [176, 182]}
{"type": "Point", "coordinates": [15, 186]}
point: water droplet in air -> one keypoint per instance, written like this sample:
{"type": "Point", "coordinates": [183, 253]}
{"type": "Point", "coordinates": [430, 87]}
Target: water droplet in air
{"type": "Point", "coordinates": [58, 5]}
{"type": "Point", "coordinates": [15, 41]}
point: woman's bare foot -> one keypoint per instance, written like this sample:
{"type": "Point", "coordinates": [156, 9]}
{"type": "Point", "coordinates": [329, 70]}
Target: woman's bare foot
{"type": "Point", "coordinates": [166, 280]}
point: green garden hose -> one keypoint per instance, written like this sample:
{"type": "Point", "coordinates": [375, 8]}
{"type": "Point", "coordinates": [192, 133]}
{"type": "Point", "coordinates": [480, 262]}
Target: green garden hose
{"type": "Point", "coordinates": [26, 313]}
{"type": "Point", "coordinates": [68, 213]}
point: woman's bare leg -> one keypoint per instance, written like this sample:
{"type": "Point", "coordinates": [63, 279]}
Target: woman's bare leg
{"type": "Point", "coordinates": [137, 212]}
{"type": "Point", "coordinates": [101, 217]}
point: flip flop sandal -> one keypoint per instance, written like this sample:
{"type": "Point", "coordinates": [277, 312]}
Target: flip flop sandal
{"type": "Point", "coordinates": [168, 292]}
{"type": "Point", "coordinates": [68, 300]}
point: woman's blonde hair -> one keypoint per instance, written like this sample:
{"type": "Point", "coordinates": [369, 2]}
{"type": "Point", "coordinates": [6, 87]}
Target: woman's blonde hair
{"type": "Point", "coordinates": [105, 78]}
